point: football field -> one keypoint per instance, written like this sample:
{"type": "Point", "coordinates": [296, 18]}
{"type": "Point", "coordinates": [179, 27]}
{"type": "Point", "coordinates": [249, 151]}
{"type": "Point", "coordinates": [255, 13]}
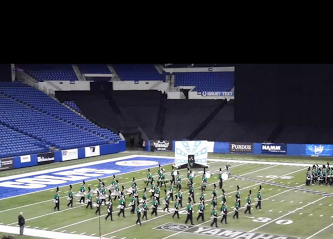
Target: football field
{"type": "Point", "coordinates": [290, 209]}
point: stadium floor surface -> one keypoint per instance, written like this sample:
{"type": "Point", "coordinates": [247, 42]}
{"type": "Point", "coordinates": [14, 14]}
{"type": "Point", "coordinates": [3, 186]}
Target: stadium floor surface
{"type": "Point", "coordinates": [286, 213]}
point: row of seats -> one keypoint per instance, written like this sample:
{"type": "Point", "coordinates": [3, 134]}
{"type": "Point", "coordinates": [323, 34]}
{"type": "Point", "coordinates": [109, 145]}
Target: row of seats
{"type": "Point", "coordinates": [94, 69]}
{"type": "Point", "coordinates": [73, 105]}
{"type": "Point", "coordinates": [206, 81]}
{"type": "Point", "coordinates": [138, 72]}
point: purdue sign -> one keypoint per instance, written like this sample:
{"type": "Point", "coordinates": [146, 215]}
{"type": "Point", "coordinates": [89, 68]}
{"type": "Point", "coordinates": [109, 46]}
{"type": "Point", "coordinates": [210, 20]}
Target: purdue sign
{"type": "Point", "coordinates": [218, 232]}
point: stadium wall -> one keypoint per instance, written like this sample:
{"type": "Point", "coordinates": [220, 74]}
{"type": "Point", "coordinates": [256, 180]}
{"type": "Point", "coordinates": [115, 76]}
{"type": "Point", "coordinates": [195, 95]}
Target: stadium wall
{"type": "Point", "coordinates": [60, 156]}
{"type": "Point", "coordinates": [307, 150]}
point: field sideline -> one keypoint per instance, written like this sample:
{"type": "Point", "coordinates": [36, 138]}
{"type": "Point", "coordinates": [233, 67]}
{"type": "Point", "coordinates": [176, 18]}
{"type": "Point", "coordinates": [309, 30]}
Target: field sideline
{"type": "Point", "coordinates": [286, 213]}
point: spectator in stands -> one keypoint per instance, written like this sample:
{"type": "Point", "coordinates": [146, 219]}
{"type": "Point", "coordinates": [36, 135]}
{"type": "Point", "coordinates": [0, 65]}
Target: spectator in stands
{"type": "Point", "coordinates": [21, 222]}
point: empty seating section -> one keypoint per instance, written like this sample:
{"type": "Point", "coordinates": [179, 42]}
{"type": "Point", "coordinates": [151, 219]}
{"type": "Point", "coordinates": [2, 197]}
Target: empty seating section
{"type": "Point", "coordinates": [94, 69]}
{"type": "Point", "coordinates": [98, 79]}
{"type": "Point", "coordinates": [77, 130]}
{"type": "Point", "coordinates": [138, 72]}
{"type": "Point", "coordinates": [206, 81]}
{"type": "Point", "coordinates": [50, 72]}
{"type": "Point", "coordinates": [73, 105]}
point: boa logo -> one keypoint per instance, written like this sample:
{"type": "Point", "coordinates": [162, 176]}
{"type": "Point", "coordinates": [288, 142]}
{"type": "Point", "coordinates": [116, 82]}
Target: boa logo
{"type": "Point", "coordinates": [137, 163]}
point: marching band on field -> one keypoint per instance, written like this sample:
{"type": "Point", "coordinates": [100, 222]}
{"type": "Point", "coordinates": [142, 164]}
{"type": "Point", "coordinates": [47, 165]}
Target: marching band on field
{"type": "Point", "coordinates": [321, 175]}
{"type": "Point", "coordinates": [140, 206]}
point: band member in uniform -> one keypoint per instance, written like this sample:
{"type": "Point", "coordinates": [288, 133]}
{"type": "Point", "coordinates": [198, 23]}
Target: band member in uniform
{"type": "Point", "coordinates": [166, 199]}
{"type": "Point", "coordinates": [144, 195]}
{"type": "Point", "coordinates": [103, 194]}
{"type": "Point", "coordinates": [201, 211]}
{"type": "Point", "coordinates": [116, 190]}
{"type": "Point", "coordinates": [202, 199]}
{"type": "Point", "coordinates": [189, 200]}
{"type": "Point", "coordinates": [259, 198]}
{"type": "Point", "coordinates": [214, 202]}
{"type": "Point", "coordinates": [224, 213]}
{"type": "Point", "coordinates": [149, 178]}
{"type": "Point", "coordinates": [192, 192]}
{"type": "Point", "coordinates": [172, 177]}
{"type": "Point", "coordinates": [152, 189]}
{"type": "Point", "coordinates": [89, 199]}
{"type": "Point", "coordinates": [138, 211]}
{"type": "Point", "coordinates": [238, 196]}
{"type": "Point", "coordinates": [214, 217]}
{"type": "Point", "coordinates": [236, 209]}
{"type": "Point", "coordinates": [248, 203]}
{"type": "Point", "coordinates": [220, 179]}
{"type": "Point", "coordinates": [133, 186]}
{"type": "Point", "coordinates": [214, 191]}
{"type": "Point", "coordinates": [189, 211]}
{"type": "Point", "coordinates": [176, 208]}
{"type": "Point", "coordinates": [122, 207]}
{"type": "Point", "coordinates": [122, 193]}
{"type": "Point", "coordinates": [162, 180]}
{"type": "Point", "coordinates": [171, 191]}
{"type": "Point", "coordinates": [70, 196]}
{"type": "Point", "coordinates": [154, 206]}
{"type": "Point", "coordinates": [145, 209]}
{"type": "Point", "coordinates": [224, 198]}
{"type": "Point", "coordinates": [157, 195]}
{"type": "Point", "coordinates": [98, 205]}
{"type": "Point", "coordinates": [179, 181]}
{"type": "Point", "coordinates": [132, 204]}
{"type": "Point", "coordinates": [57, 200]}
{"type": "Point", "coordinates": [204, 182]}
{"type": "Point", "coordinates": [180, 198]}
{"type": "Point", "coordinates": [190, 179]}
{"type": "Point", "coordinates": [109, 210]}
{"type": "Point", "coordinates": [82, 191]}
{"type": "Point", "coordinates": [160, 170]}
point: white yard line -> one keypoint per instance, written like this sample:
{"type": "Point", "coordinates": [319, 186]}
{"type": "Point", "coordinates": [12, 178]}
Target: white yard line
{"type": "Point", "coordinates": [193, 205]}
{"type": "Point", "coordinates": [255, 229]}
{"type": "Point", "coordinates": [319, 231]}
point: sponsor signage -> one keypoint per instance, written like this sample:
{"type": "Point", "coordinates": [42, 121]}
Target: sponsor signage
{"type": "Point", "coordinates": [69, 154]}
{"type": "Point", "coordinates": [241, 148]}
{"type": "Point", "coordinates": [319, 150]}
{"type": "Point", "coordinates": [218, 232]}
{"type": "Point", "coordinates": [272, 148]}
{"type": "Point", "coordinates": [6, 164]}
{"type": "Point", "coordinates": [160, 145]}
{"type": "Point", "coordinates": [205, 93]}
{"type": "Point", "coordinates": [92, 151]}
{"type": "Point", "coordinates": [136, 163]}
{"type": "Point", "coordinates": [25, 159]}
{"type": "Point", "coordinates": [45, 158]}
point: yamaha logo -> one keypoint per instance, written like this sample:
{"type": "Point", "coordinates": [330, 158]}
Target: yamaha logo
{"type": "Point", "coordinates": [161, 144]}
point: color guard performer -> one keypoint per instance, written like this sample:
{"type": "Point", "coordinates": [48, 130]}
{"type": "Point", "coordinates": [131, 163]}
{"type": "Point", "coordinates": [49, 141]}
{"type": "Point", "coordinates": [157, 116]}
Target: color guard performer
{"type": "Point", "coordinates": [154, 207]}
{"type": "Point", "coordinates": [57, 200]}
{"type": "Point", "coordinates": [82, 192]}
{"type": "Point", "coordinates": [109, 211]}
{"type": "Point", "coordinates": [201, 211]}
{"type": "Point", "coordinates": [70, 196]}
{"type": "Point", "coordinates": [121, 206]}
{"type": "Point", "coordinates": [248, 203]}
{"type": "Point", "coordinates": [259, 198]}
{"type": "Point", "coordinates": [224, 213]}
{"type": "Point", "coordinates": [89, 199]}
{"type": "Point", "coordinates": [176, 208]}
{"type": "Point", "coordinates": [214, 217]}
{"type": "Point", "coordinates": [236, 209]}
{"type": "Point", "coordinates": [189, 211]}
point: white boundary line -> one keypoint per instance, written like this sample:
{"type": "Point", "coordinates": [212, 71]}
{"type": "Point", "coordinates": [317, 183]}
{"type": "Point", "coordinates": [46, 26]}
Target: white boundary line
{"type": "Point", "coordinates": [319, 231]}
{"type": "Point", "coordinates": [193, 205]}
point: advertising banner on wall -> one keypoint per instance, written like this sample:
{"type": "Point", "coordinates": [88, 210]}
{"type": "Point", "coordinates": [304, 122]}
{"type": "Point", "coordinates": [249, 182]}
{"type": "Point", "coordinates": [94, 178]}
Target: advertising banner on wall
{"type": "Point", "coordinates": [45, 158]}
{"type": "Point", "coordinates": [272, 148]}
{"type": "Point", "coordinates": [319, 150]}
{"type": "Point", "coordinates": [92, 151]}
{"type": "Point", "coordinates": [160, 145]}
{"type": "Point", "coordinates": [25, 159]}
{"type": "Point", "coordinates": [6, 164]}
{"type": "Point", "coordinates": [245, 148]}
{"type": "Point", "coordinates": [69, 154]}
